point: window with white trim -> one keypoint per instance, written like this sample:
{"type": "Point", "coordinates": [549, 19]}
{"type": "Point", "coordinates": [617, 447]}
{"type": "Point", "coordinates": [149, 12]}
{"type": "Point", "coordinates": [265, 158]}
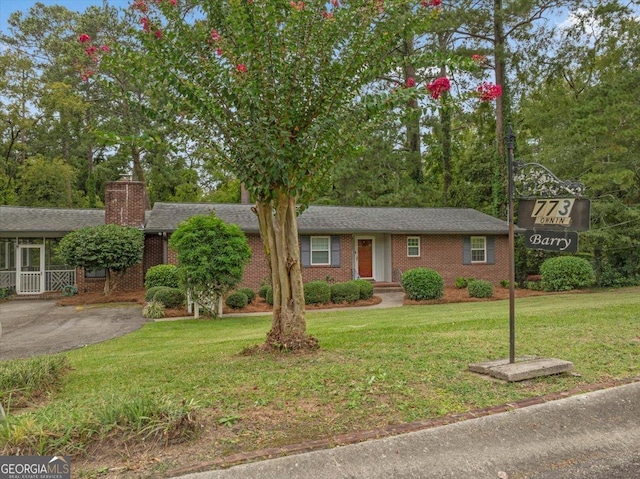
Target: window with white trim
{"type": "Point", "coordinates": [413, 246]}
{"type": "Point", "coordinates": [320, 250]}
{"type": "Point", "coordinates": [478, 249]}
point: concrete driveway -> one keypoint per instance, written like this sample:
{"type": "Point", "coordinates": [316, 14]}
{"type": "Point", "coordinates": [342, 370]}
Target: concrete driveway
{"type": "Point", "coordinates": [34, 327]}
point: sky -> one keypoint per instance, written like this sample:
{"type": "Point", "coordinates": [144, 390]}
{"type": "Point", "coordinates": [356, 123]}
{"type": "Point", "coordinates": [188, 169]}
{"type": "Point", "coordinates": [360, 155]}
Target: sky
{"type": "Point", "coordinates": [7, 7]}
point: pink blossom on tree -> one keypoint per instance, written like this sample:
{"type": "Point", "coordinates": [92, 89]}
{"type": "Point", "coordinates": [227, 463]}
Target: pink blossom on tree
{"type": "Point", "coordinates": [489, 91]}
{"type": "Point", "coordinates": [84, 38]}
{"type": "Point", "coordinates": [411, 82]}
{"type": "Point", "coordinates": [241, 67]}
{"type": "Point", "coordinates": [140, 5]}
{"type": "Point", "coordinates": [438, 86]}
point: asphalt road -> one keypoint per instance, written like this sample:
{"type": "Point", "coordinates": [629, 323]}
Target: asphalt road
{"type": "Point", "coordinates": [34, 327]}
{"type": "Point", "coordinates": [591, 436]}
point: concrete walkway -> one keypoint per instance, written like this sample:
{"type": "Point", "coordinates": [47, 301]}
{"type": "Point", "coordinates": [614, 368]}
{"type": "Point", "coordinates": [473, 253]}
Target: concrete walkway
{"type": "Point", "coordinates": [594, 436]}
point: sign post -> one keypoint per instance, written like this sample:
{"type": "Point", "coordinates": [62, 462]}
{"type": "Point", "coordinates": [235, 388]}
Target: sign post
{"type": "Point", "coordinates": [549, 208]}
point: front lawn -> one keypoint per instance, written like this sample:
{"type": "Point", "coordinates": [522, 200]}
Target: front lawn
{"type": "Point", "coordinates": [376, 367]}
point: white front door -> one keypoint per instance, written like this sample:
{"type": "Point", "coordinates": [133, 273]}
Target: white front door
{"type": "Point", "coordinates": [30, 269]}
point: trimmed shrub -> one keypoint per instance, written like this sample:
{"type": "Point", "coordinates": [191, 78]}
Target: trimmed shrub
{"type": "Point", "coordinates": [348, 292]}
{"type": "Point", "coordinates": [249, 293]}
{"type": "Point", "coordinates": [153, 310]}
{"type": "Point", "coordinates": [533, 285]}
{"type": "Point", "coordinates": [565, 273]}
{"type": "Point", "coordinates": [170, 297]}
{"type": "Point", "coordinates": [151, 292]}
{"type": "Point", "coordinates": [423, 283]}
{"type": "Point", "coordinates": [162, 275]}
{"type": "Point", "coordinates": [237, 300]}
{"type": "Point", "coordinates": [262, 291]}
{"type": "Point", "coordinates": [317, 292]}
{"type": "Point", "coordinates": [366, 288]}
{"type": "Point", "coordinates": [268, 296]}
{"type": "Point", "coordinates": [480, 289]}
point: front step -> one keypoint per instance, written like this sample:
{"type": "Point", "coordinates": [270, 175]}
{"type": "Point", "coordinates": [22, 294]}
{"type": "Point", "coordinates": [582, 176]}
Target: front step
{"type": "Point", "coordinates": [384, 287]}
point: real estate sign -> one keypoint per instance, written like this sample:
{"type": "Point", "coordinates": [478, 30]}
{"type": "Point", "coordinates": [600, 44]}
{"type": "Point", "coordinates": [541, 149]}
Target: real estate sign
{"type": "Point", "coordinates": [564, 241]}
{"type": "Point", "coordinates": [555, 214]}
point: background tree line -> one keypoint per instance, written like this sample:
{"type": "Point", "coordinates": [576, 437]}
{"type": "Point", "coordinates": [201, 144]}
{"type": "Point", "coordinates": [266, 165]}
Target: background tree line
{"type": "Point", "coordinates": [74, 115]}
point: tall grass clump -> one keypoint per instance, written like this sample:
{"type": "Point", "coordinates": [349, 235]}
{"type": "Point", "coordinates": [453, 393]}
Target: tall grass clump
{"type": "Point", "coordinates": [55, 430]}
{"type": "Point", "coordinates": [22, 380]}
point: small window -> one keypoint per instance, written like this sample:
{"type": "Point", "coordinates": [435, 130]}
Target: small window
{"type": "Point", "coordinates": [413, 246]}
{"type": "Point", "coordinates": [95, 273]}
{"type": "Point", "coordinates": [320, 250]}
{"type": "Point", "coordinates": [478, 249]}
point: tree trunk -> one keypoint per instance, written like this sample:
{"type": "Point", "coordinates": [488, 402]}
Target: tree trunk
{"type": "Point", "coordinates": [445, 123]}
{"type": "Point", "coordinates": [413, 116]}
{"type": "Point", "coordinates": [107, 282]}
{"type": "Point", "coordinates": [499, 183]}
{"type": "Point", "coordinates": [279, 232]}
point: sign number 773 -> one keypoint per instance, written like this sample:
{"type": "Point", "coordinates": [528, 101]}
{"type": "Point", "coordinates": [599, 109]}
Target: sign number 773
{"type": "Point", "coordinates": [553, 208]}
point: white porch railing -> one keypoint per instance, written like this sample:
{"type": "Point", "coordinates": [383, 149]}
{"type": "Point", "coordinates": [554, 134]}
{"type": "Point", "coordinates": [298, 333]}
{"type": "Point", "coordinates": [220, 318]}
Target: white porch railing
{"type": "Point", "coordinates": [54, 280]}
{"type": "Point", "coordinates": [7, 279]}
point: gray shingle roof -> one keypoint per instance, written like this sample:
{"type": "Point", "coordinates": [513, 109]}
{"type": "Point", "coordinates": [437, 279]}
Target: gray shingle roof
{"type": "Point", "coordinates": [314, 220]}
{"type": "Point", "coordinates": [51, 221]}
{"type": "Point", "coordinates": [340, 219]}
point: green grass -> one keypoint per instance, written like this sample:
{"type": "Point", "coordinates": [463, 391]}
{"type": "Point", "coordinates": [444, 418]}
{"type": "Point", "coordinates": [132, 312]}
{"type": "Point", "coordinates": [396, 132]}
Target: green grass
{"type": "Point", "coordinates": [376, 367]}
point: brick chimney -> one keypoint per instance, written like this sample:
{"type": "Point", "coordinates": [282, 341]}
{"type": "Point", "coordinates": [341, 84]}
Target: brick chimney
{"type": "Point", "coordinates": [125, 202]}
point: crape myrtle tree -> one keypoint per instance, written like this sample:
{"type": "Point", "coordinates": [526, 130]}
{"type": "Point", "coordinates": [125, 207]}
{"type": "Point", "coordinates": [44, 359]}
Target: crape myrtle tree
{"type": "Point", "coordinates": [277, 89]}
{"type": "Point", "coordinates": [113, 248]}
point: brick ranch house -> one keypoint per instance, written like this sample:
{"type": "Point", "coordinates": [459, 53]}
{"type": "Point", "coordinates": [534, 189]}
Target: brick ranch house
{"type": "Point", "coordinates": [338, 243]}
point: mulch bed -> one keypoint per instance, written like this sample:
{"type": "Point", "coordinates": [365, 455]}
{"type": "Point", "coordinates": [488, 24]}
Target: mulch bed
{"type": "Point", "coordinates": [452, 295]}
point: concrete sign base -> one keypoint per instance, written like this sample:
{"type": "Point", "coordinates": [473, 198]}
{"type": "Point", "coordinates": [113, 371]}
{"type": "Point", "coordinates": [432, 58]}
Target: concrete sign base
{"type": "Point", "coordinates": [526, 367]}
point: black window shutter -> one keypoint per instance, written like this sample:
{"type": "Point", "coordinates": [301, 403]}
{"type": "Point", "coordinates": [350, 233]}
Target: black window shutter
{"type": "Point", "coordinates": [491, 250]}
{"type": "Point", "coordinates": [305, 251]}
{"type": "Point", "coordinates": [335, 251]}
{"type": "Point", "coordinates": [466, 250]}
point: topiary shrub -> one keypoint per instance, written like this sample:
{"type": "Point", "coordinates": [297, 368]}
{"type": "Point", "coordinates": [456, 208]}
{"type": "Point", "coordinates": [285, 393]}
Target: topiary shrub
{"type": "Point", "coordinates": [237, 300]}
{"type": "Point", "coordinates": [348, 292]}
{"type": "Point", "coordinates": [365, 287]}
{"type": "Point", "coordinates": [422, 283]}
{"type": "Point", "coordinates": [565, 273]}
{"type": "Point", "coordinates": [153, 310]}
{"type": "Point", "coordinates": [317, 292]}
{"type": "Point", "coordinates": [151, 292]}
{"type": "Point", "coordinates": [480, 289]}
{"type": "Point", "coordinates": [249, 293]}
{"type": "Point", "coordinates": [162, 275]}
{"type": "Point", "coordinates": [170, 297]}
{"type": "Point", "coordinates": [262, 291]}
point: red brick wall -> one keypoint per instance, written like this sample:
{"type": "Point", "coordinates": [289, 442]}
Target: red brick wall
{"type": "Point", "coordinates": [153, 251]}
{"type": "Point", "coordinates": [339, 275]}
{"type": "Point", "coordinates": [131, 280]}
{"type": "Point", "coordinates": [443, 253]}
{"type": "Point", "coordinates": [125, 203]}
